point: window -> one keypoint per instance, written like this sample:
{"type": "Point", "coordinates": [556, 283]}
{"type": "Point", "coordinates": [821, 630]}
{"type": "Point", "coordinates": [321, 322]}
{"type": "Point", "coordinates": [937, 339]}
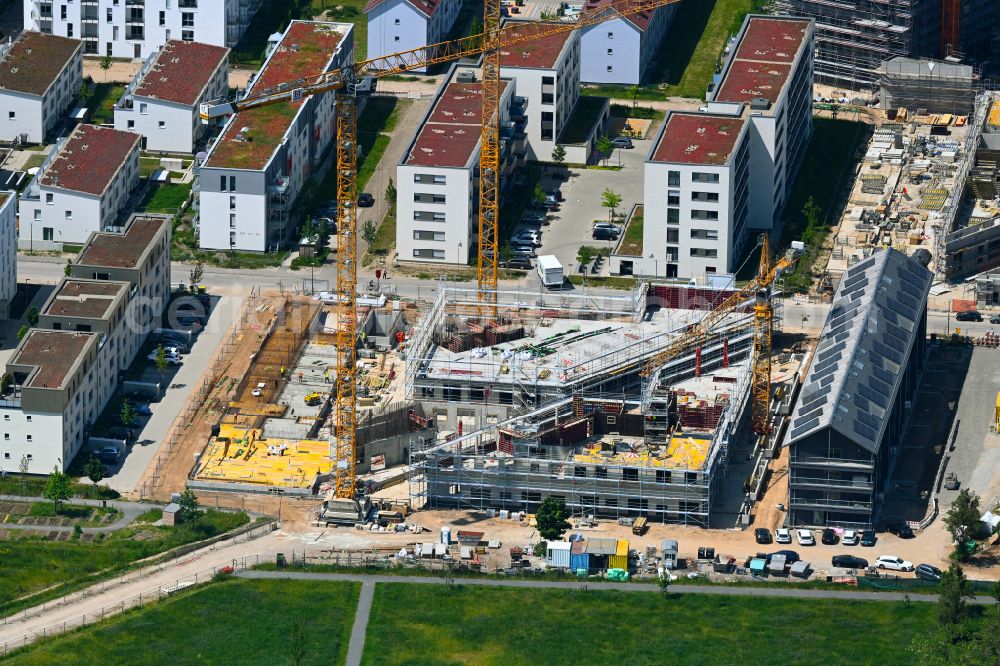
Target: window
{"type": "Point", "coordinates": [704, 215]}
{"type": "Point", "coordinates": [611, 51]}
{"type": "Point", "coordinates": [162, 124]}
{"type": "Point", "coordinates": [232, 183]}
{"type": "Point", "coordinates": [428, 254]}
{"type": "Point", "coordinates": [38, 215]}
{"type": "Point", "coordinates": [673, 198]}
{"type": "Point", "coordinates": [611, 35]}
{"type": "Point", "coordinates": [232, 200]}
{"type": "Point", "coordinates": [143, 108]}
{"type": "Point", "coordinates": [232, 220]}
{"type": "Point", "coordinates": [630, 474]}
{"type": "Point", "coordinates": [62, 12]}
{"type": "Point", "coordinates": [232, 238]}
{"type": "Point", "coordinates": [673, 216]}
{"type": "Point", "coordinates": [187, 35]}
{"type": "Point", "coordinates": [706, 234]}
{"type": "Point", "coordinates": [428, 178]}
{"type": "Point", "coordinates": [163, 17]}
{"type": "Point", "coordinates": [69, 215]}
{"type": "Point", "coordinates": [110, 19]}
{"type": "Point", "coordinates": [548, 80]}
{"type": "Point", "coordinates": [419, 197]}
{"type": "Point", "coordinates": [48, 198]}
{"type": "Point", "coordinates": [11, 115]}
{"type": "Point", "coordinates": [6, 436]}
{"type": "Point", "coordinates": [187, 20]}
{"type": "Point", "coordinates": [697, 177]}
{"type": "Point", "coordinates": [610, 68]}
{"type": "Point", "coordinates": [69, 29]}
{"type": "Point", "coordinates": [428, 235]}
{"type": "Point", "coordinates": [56, 326]}
{"type": "Point", "coordinates": [673, 179]}
{"type": "Point", "coordinates": [29, 438]}
{"type": "Point", "coordinates": [705, 196]}
{"type": "Point", "coordinates": [673, 235]}
{"type": "Point", "coordinates": [428, 216]}
{"type": "Point", "coordinates": [396, 21]}
{"type": "Point", "coordinates": [702, 252]}
{"type": "Point", "coordinates": [396, 38]}
{"type": "Point", "coordinates": [131, 124]}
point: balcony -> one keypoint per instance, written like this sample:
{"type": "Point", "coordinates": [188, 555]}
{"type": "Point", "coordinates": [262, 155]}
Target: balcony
{"type": "Point", "coordinates": [826, 504]}
{"type": "Point", "coordinates": [860, 485]}
{"type": "Point", "coordinates": [845, 463]}
{"type": "Point", "coordinates": [188, 4]}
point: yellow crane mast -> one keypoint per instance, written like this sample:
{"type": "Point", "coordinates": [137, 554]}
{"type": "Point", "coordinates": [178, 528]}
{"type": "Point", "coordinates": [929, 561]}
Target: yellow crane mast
{"type": "Point", "coordinates": [489, 44]}
{"type": "Point", "coordinates": [757, 291]}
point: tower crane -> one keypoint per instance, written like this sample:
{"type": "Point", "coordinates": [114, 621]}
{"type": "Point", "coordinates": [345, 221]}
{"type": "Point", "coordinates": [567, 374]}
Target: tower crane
{"type": "Point", "coordinates": [489, 44]}
{"type": "Point", "coordinates": [757, 291]}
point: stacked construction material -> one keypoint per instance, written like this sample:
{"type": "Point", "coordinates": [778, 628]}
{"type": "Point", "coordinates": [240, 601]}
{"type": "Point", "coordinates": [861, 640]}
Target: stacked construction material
{"type": "Point", "coordinates": [698, 414]}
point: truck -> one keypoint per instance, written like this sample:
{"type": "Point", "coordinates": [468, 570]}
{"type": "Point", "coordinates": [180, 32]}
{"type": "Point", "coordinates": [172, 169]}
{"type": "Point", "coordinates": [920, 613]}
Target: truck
{"type": "Point", "coordinates": [550, 271]}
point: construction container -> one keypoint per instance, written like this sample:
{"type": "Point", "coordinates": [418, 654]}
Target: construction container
{"type": "Point", "coordinates": [620, 559]}
{"type": "Point", "coordinates": [579, 560]}
{"type": "Point", "coordinates": [557, 554]}
{"type": "Point", "coordinates": [668, 548]}
{"type": "Point", "coordinates": [600, 551]}
{"type": "Point", "coordinates": [446, 535]}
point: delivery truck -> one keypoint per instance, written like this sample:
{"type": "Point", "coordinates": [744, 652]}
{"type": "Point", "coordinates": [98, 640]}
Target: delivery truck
{"type": "Point", "coordinates": [550, 271]}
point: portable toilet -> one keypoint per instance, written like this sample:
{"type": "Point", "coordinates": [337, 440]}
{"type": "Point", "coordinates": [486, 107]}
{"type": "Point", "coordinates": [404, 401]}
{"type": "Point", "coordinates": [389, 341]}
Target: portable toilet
{"type": "Point", "coordinates": [669, 550]}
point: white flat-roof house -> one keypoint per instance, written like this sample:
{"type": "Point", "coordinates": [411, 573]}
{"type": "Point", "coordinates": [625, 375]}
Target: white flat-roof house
{"type": "Point", "coordinates": [8, 251]}
{"type": "Point", "coordinates": [138, 28]}
{"type": "Point", "coordinates": [621, 50]}
{"type": "Point", "coordinates": [547, 72]}
{"type": "Point", "coordinates": [40, 75]}
{"type": "Point", "coordinates": [437, 179]}
{"type": "Point", "coordinates": [716, 178]}
{"type": "Point", "coordinates": [259, 164]}
{"type": "Point", "coordinates": [161, 103]}
{"type": "Point", "coordinates": [90, 329]}
{"type": "Point", "coordinates": [82, 187]}
{"type": "Point", "coordinates": [403, 25]}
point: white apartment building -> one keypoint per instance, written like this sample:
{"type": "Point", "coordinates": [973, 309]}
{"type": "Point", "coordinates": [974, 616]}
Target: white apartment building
{"type": "Point", "coordinates": [138, 28]}
{"type": "Point", "coordinates": [404, 25]}
{"type": "Point", "coordinates": [770, 70]}
{"type": "Point", "coordinates": [90, 330]}
{"type": "Point", "coordinates": [547, 73]}
{"type": "Point", "coordinates": [259, 164]}
{"type": "Point", "coordinates": [82, 187]}
{"type": "Point", "coordinates": [8, 251]}
{"type": "Point", "coordinates": [161, 103]}
{"type": "Point", "coordinates": [621, 50]}
{"type": "Point", "coordinates": [40, 76]}
{"type": "Point", "coordinates": [437, 179]}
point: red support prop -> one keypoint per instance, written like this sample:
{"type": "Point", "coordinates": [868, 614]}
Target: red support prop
{"type": "Point", "coordinates": [697, 362]}
{"type": "Point", "coordinates": [725, 352]}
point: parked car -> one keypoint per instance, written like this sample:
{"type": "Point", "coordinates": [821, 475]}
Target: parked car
{"type": "Point", "coordinates": [995, 319]}
{"type": "Point", "coordinates": [108, 455]}
{"type": "Point", "coordinates": [176, 350]}
{"type": "Point", "coordinates": [526, 237]}
{"type": "Point", "coordinates": [532, 217]}
{"type": "Point", "coordinates": [622, 142]}
{"type": "Point", "coordinates": [518, 263]}
{"type": "Point", "coordinates": [969, 315]}
{"type": "Point", "coordinates": [522, 251]}
{"type": "Point", "coordinates": [902, 530]}
{"type": "Point", "coordinates": [257, 392]}
{"type": "Point", "coordinates": [782, 535]}
{"type": "Point", "coordinates": [791, 556]}
{"type": "Point", "coordinates": [607, 225]}
{"type": "Point", "coordinates": [605, 234]}
{"type": "Point", "coordinates": [190, 323]}
{"type": "Point", "coordinates": [171, 359]}
{"type": "Point", "coordinates": [893, 562]}
{"type": "Point", "coordinates": [365, 200]}
{"type": "Point", "coordinates": [762, 535]}
{"type": "Point", "coordinates": [557, 193]}
{"type": "Point", "coordinates": [142, 409]}
{"type": "Point", "coordinates": [927, 572]}
{"type": "Point", "coordinates": [805, 538]}
{"type": "Point", "coordinates": [849, 562]}
{"type": "Point", "coordinates": [829, 537]}
{"type": "Point", "coordinates": [868, 538]}
{"type": "Point", "coordinates": [850, 538]}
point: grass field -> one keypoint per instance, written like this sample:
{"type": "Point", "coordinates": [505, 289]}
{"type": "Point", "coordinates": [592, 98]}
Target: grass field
{"type": "Point", "coordinates": [231, 622]}
{"type": "Point", "coordinates": [475, 625]}
{"type": "Point", "coordinates": [164, 198]}
{"type": "Point", "coordinates": [30, 565]}
{"type": "Point", "coordinates": [32, 486]}
{"type": "Point", "coordinates": [102, 102]}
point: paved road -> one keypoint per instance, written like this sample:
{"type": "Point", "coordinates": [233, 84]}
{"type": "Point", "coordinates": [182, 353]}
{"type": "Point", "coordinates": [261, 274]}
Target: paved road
{"type": "Point", "coordinates": [724, 590]}
{"type": "Point", "coordinates": [130, 511]}
{"type": "Point", "coordinates": [356, 648]}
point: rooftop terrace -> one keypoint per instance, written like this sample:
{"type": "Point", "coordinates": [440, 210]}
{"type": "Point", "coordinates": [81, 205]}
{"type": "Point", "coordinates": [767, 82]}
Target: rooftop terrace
{"type": "Point", "coordinates": [121, 250]}
{"type": "Point", "coordinates": [35, 61]}
{"type": "Point", "coordinates": [181, 71]}
{"type": "Point", "coordinates": [90, 159]}
{"type": "Point", "coordinates": [53, 352]}
{"type": "Point", "coordinates": [763, 59]}
{"type": "Point", "coordinates": [305, 51]}
{"type": "Point", "coordinates": [697, 138]}
{"type": "Point", "coordinates": [87, 299]}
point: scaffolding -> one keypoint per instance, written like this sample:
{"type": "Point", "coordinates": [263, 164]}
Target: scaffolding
{"type": "Point", "coordinates": [931, 85]}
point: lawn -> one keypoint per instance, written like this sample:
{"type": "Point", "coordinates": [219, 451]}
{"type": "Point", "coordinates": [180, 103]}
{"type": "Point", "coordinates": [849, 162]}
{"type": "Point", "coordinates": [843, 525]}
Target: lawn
{"type": "Point", "coordinates": [229, 622]}
{"type": "Point", "coordinates": [102, 100]}
{"type": "Point", "coordinates": [632, 242]}
{"type": "Point", "coordinates": [164, 198]}
{"type": "Point", "coordinates": [76, 514]}
{"type": "Point", "coordinates": [33, 486]}
{"type": "Point", "coordinates": [478, 625]}
{"type": "Point", "coordinates": [29, 565]}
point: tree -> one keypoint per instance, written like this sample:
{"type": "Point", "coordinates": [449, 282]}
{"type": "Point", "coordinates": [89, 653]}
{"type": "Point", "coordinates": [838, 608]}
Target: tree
{"type": "Point", "coordinates": [188, 503]}
{"type": "Point", "coordinates": [955, 587]}
{"type": "Point", "coordinates": [476, 27]}
{"type": "Point", "coordinates": [57, 487]}
{"type": "Point", "coordinates": [811, 212]}
{"type": "Point", "coordinates": [68, 268]}
{"type": "Point", "coordinates": [161, 363]}
{"type": "Point", "coordinates": [21, 332]}
{"type": "Point", "coordinates": [23, 467]}
{"type": "Point", "coordinates": [5, 381]}
{"type": "Point", "coordinates": [32, 316]}
{"type": "Point", "coordinates": [963, 517]}
{"type": "Point", "coordinates": [551, 519]}
{"type": "Point", "coordinates": [197, 273]}
{"type": "Point", "coordinates": [584, 255]}
{"type": "Point", "coordinates": [105, 65]}
{"type": "Point", "coordinates": [127, 413]}
{"type": "Point", "coordinates": [94, 470]}
{"type": "Point", "coordinates": [559, 155]}
{"type": "Point", "coordinates": [611, 200]}
{"type": "Point", "coordinates": [369, 232]}
{"type": "Point", "coordinates": [604, 147]}
{"type": "Point", "coordinates": [390, 193]}
{"type": "Point", "coordinates": [633, 94]}
{"type": "Point", "coordinates": [538, 196]}
{"type": "Point", "coordinates": [664, 583]}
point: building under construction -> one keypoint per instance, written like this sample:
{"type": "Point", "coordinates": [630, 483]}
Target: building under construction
{"type": "Point", "coordinates": [854, 38]}
{"type": "Point", "coordinates": [550, 402]}
{"type": "Point", "coordinates": [932, 86]}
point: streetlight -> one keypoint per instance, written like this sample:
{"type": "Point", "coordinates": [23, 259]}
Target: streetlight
{"type": "Point", "coordinates": [656, 264]}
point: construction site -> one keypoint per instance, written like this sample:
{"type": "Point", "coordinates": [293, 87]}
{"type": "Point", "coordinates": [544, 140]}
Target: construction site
{"type": "Point", "coordinates": [926, 183]}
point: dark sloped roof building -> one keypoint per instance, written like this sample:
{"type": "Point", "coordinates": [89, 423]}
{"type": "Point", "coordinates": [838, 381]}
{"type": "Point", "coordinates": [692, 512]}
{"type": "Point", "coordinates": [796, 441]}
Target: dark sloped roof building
{"type": "Point", "coordinates": [849, 421]}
